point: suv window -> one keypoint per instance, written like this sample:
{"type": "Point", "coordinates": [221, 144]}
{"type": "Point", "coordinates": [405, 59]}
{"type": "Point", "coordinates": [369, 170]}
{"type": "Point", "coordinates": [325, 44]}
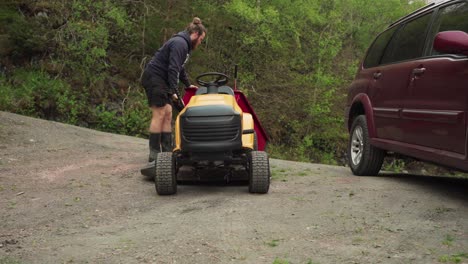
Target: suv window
{"type": "Point", "coordinates": [452, 17]}
{"type": "Point", "coordinates": [409, 42]}
{"type": "Point", "coordinates": [378, 47]}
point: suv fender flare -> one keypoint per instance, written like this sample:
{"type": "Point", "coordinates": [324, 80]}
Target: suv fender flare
{"type": "Point", "coordinates": [363, 100]}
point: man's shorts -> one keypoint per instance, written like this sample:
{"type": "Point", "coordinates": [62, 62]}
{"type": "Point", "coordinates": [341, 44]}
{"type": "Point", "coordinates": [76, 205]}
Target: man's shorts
{"type": "Point", "coordinates": [156, 90]}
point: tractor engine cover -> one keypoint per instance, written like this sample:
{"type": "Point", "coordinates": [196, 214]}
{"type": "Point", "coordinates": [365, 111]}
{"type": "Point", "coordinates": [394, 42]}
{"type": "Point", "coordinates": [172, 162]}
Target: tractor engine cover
{"type": "Point", "coordinates": [210, 128]}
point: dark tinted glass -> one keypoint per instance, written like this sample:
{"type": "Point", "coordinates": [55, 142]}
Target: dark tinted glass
{"type": "Point", "coordinates": [378, 47]}
{"type": "Point", "coordinates": [409, 42]}
{"type": "Point", "coordinates": [453, 17]}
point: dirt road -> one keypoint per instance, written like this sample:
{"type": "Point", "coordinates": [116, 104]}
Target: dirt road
{"type": "Point", "coordinates": [73, 195]}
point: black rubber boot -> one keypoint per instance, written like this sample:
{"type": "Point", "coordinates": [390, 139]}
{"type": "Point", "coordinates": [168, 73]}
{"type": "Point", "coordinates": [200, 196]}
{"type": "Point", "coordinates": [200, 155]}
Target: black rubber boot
{"type": "Point", "coordinates": [166, 142]}
{"type": "Point", "coordinates": [154, 146]}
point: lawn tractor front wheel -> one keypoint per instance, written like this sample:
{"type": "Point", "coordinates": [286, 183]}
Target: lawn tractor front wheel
{"type": "Point", "coordinates": [165, 180]}
{"type": "Point", "coordinates": [259, 172]}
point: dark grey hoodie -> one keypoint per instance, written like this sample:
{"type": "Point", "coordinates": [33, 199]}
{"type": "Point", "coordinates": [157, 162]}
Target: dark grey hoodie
{"type": "Point", "coordinates": [169, 61]}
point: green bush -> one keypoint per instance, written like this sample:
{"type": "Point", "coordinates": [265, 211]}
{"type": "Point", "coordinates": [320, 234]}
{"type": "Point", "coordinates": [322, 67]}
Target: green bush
{"type": "Point", "coordinates": [136, 119]}
{"type": "Point", "coordinates": [131, 117]}
{"type": "Point", "coordinates": [35, 93]}
{"type": "Point", "coordinates": [28, 35]}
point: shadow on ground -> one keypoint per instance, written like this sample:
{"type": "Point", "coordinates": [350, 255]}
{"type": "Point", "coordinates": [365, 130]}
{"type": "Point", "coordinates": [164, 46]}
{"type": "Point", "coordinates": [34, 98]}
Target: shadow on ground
{"type": "Point", "coordinates": [449, 186]}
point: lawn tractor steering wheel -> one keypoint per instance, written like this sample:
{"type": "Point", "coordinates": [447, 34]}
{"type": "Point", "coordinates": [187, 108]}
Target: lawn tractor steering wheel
{"type": "Point", "coordinates": [221, 79]}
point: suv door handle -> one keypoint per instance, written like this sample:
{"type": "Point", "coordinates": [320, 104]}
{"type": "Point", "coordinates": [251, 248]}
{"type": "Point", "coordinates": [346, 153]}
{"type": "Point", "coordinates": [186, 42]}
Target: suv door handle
{"type": "Point", "coordinates": [419, 71]}
{"type": "Point", "coordinates": [377, 75]}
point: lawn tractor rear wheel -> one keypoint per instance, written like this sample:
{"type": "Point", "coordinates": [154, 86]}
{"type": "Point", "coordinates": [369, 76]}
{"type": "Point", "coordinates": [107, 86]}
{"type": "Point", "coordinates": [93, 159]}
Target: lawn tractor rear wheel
{"type": "Point", "coordinates": [259, 172]}
{"type": "Point", "coordinates": [165, 179]}
{"type": "Point", "coordinates": [255, 145]}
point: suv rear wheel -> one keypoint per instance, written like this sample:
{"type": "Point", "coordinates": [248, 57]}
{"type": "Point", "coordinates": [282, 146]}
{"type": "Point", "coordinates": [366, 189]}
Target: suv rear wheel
{"type": "Point", "coordinates": [363, 158]}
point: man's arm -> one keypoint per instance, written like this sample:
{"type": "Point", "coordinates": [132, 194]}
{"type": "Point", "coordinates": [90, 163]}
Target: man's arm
{"type": "Point", "coordinates": [177, 55]}
{"type": "Point", "coordinates": [183, 78]}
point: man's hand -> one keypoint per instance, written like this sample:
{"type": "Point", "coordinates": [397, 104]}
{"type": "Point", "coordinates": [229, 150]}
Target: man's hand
{"type": "Point", "coordinates": [178, 104]}
{"type": "Point", "coordinates": [192, 86]}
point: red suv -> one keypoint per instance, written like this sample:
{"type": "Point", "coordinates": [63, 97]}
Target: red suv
{"type": "Point", "coordinates": [410, 95]}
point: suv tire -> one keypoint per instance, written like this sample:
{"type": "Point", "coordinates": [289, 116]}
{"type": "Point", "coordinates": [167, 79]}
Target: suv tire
{"type": "Point", "coordinates": [363, 158]}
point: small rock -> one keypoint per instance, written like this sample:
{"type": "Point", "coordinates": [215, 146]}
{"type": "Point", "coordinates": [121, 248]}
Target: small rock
{"type": "Point", "coordinates": [11, 242]}
{"type": "Point", "coordinates": [42, 14]}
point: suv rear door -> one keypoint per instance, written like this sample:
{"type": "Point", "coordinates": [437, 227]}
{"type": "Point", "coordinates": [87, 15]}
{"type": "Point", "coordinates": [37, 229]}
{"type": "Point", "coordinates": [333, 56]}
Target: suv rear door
{"type": "Point", "coordinates": [434, 111]}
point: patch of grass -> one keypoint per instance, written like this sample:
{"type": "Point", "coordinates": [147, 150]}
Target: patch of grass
{"type": "Point", "coordinates": [126, 243]}
{"type": "Point", "coordinates": [280, 261]}
{"type": "Point", "coordinates": [357, 241]}
{"type": "Point", "coordinates": [302, 173]}
{"type": "Point", "coordinates": [301, 199]}
{"type": "Point", "coordinates": [105, 184]}
{"type": "Point", "coordinates": [441, 210]}
{"type": "Point", "coordinates": [456, 258]}
{"type": "Point", "coordinates": [394, 165]}
{"type": "Point", "coordinates": [448, 241]}
{"type": "Point", "coordinates": [278, 175]}
{"type": "Point", "coordinates": [273, 243]}
{"type": "Point", "coordinates": [358, 230]}
{"type": "Point", "coordinates": [9, 260]}
{"type": "Point", "coordinates": [12, 205]}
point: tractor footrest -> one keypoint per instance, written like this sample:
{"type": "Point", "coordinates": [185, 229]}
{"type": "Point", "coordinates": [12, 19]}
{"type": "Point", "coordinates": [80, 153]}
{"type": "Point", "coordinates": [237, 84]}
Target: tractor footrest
{"type": "Point", "coordinates": [149, 170]}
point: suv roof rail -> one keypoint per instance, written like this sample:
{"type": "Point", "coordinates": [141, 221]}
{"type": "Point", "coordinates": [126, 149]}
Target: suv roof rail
{"type": "Point", "coordinates": [412, 13]}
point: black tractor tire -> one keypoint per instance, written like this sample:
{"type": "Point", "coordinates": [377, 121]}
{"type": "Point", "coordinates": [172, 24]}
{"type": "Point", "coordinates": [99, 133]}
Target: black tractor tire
{"type": "Point", "coordinates": [259, 172]}
{"type": "Point", "coordinates": [165, 179]}
{"type": "Point", "coordinates": [363, 158]}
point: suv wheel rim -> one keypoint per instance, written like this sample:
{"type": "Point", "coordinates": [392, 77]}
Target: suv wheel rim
{"type": "Point", "coordinates": [357, 145]}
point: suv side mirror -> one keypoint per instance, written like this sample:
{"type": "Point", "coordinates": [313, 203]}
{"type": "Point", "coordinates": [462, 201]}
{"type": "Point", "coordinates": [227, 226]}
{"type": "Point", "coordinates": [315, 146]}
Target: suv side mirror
{"type": "Point", "coordinates": [451, 42]}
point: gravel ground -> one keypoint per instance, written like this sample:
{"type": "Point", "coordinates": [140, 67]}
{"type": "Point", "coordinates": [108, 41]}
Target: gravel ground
{"type": "Point", "coordinates": [74, 195]}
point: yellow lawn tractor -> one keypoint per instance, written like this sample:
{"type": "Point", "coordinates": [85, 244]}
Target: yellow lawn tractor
{"type": "Point", "coordinates": [217, 128]}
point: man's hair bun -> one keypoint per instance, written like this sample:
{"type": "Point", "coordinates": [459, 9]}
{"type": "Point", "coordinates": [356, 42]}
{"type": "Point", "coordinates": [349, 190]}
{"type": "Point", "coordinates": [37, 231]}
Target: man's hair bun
{"type": "Point", "coordinates": [196, 21]}
{"type": "Point", "coordinates": [196, 26]}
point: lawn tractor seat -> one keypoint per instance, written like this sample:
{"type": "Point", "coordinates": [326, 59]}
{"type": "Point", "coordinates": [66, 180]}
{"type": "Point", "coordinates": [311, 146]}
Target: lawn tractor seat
{"type": "Point", "coordinates": [201, 90]}
{"type": "Point", "coordinates": [221, 90]}
{"type": "Point", "coordinates": [225, 90]}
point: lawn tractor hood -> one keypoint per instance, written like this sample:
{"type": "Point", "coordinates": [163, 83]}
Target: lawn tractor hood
{"type": "Point", "coordinates": [210, 128]}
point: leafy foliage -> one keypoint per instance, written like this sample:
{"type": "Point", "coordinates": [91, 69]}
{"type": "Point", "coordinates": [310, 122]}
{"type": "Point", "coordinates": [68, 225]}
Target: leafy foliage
{"type": "Point", "coordinates": [80, 61]}
{"type": "Point", "coordinates": [34, 93]}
